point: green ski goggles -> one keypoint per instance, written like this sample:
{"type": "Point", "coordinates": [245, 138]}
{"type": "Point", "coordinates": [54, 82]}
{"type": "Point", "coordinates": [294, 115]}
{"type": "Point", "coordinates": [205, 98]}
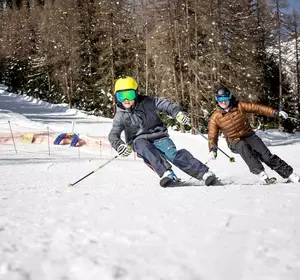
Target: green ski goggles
{"type": "Point", "coordinates": [128, 94]}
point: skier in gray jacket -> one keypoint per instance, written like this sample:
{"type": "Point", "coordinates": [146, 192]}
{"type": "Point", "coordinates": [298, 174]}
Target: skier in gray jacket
{"type": "Point", "coordinates": [145, 132]}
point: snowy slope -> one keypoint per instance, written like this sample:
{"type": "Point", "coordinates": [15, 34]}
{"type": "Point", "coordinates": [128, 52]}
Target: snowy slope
{"type": "Point", "coordinates": [119, 224]}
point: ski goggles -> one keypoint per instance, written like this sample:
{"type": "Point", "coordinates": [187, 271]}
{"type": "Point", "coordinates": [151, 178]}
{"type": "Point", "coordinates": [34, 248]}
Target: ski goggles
{"type": "Point", "coordinates": [128, 94]}
{"type": "Point", "coordinates": [223, 99]}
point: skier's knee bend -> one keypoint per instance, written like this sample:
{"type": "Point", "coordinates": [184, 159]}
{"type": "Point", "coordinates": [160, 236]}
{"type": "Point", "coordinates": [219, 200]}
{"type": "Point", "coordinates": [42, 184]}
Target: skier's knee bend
{"type": "Point", "coordinates": [171, 153]}
{"type": "Point", "coordinates": [167, 147]}
{"type": "Point", "coordinates": [182, 155]}
{"type": "Point", "coordinates": [256, 170]}
{"type": "Point", "coordinates": [267, 157]}
{"type": "Point", "coordinates": [190, 165]}
{"type": "Point", "coordinates": [255, 166]}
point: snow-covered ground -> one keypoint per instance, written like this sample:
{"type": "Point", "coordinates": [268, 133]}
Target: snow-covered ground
{"type": "Point", "coordinates": [119, 224]}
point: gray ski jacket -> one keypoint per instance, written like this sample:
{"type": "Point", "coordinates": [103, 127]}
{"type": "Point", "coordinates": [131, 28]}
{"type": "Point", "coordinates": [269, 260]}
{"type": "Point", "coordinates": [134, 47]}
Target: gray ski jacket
{"type": "Point", "coordinates": [142, 121]}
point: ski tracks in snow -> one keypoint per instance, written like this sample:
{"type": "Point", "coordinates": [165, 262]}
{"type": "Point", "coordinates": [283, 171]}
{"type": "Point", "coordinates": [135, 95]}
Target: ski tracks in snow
{"type": "Point", "coordinates": [127, 227]}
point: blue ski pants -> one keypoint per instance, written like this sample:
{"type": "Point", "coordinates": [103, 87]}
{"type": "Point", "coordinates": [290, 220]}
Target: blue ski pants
{"type": "Point", "coordinates": [154, 152]}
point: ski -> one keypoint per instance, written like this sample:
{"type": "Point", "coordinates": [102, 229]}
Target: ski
{"type": "Point", "coordinates": [166, 182]}
{"type": "Point", "coordinates": [269, 183]}
{"type": "Point", "coordinates": [169, 183]}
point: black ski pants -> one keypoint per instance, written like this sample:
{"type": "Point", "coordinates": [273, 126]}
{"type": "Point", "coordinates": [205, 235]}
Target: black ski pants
{"type": "Point", "coordinates": [254, 151]}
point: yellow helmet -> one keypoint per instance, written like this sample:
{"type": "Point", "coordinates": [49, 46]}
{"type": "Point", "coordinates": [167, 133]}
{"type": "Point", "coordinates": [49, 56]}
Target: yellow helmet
{"type": "Point", "coordinates": [124, 83]}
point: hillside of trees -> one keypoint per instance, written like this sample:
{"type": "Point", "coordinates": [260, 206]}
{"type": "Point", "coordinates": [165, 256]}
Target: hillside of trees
{"type": "Point", "coordinates": [71, 51]}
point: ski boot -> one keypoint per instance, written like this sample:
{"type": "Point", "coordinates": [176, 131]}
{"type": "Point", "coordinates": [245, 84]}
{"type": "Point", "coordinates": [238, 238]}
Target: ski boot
{"type": "Point", "coordinates": [209, 178]}
{"type": "Point", "coordinates": [270, 181]}
{"type": "Point", "coordinates": [266, 179]}
{"type": "Point", "coordinates": [294, 178]}
{"type": "Point", "coordinates": [169, 179]}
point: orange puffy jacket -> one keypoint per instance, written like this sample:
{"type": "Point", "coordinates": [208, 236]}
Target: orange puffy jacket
{"type": "Point", "coordinates": [234, 124]}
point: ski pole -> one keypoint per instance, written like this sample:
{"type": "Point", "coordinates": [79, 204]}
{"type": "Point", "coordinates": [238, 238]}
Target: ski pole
{"type": "Point", "coordinates": [70, 185]}
{"type": "Point", "coordinates": [231, 159]}
{"type": "Point", "coordinates": [294, 119]}
{"type": "Point", "coordinates": [207, 162]}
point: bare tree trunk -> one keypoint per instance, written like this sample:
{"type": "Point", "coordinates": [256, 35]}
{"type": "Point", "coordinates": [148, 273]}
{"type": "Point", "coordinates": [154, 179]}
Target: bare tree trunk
{"type": "Point", "coordinates": [174, 53]}
{"type": "Point", "coordinates": [177, 42]}
{"type": "Point", "coordinates": [71, 88]}
{"type": "Point", "coordinates": [279, 53]}
{"type": "Point", "coordinates": [137, 74]}
{"type": "Point", "coordinates": [297, 61]}
{"type": "Point", "coordinates": [196, 89]}
{"type": "Point", "coordinates": [178, 48]}
{"type": "Point", "coordinates": [188, 42]}
{"type": "Point", "coordinates": [155, 76]}
{"type": "Point", "coordinates": [146, 59]}
{"type": "Point", "coordinates": [217, 30]}
{"type": "Point", "coordinates": [112, 62]}
{"type": "Point", "coordinates": [67, 89]}
{"type": "Point", "coordinates": [49, 82]}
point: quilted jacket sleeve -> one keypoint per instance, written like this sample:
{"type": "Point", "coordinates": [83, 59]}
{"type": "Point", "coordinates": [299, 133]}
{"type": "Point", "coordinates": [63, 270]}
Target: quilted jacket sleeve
{"type": "Point", "coordinates": [257, 109]}
{"type": "Point", "coordinates": [213, 132]}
